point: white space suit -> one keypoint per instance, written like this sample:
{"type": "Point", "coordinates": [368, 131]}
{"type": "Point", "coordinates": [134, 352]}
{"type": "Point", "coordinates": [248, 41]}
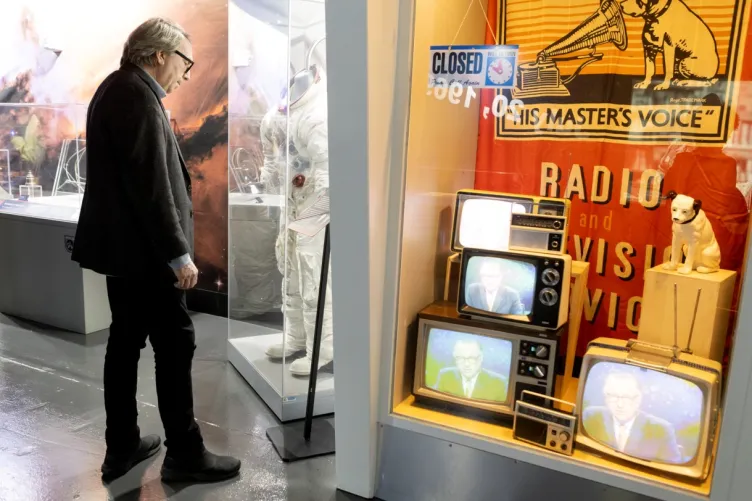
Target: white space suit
{"type": "Point", "coordinates": [307, 157]}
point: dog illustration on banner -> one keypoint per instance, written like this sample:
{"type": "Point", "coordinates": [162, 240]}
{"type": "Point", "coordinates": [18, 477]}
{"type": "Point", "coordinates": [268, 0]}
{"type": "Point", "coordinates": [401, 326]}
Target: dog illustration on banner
{"type": "Point", "coordinates": [693, 237]}
{"type": "Point", "coordinates": [690, 53]}
{"type": "Point", "coordinates": [671, 28]}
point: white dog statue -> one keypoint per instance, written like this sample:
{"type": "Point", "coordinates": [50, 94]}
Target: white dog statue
{"type": "Point", "coordinates": [693, 237]}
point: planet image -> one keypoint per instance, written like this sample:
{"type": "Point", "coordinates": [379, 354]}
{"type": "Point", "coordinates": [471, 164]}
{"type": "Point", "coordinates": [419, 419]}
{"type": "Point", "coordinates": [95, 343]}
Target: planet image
{"type": "Point", "coordinates": [500, 71]}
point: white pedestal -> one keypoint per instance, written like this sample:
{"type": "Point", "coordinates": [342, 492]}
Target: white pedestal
{"type": "Point", "coordinates": [711, 324]}
{"type": "Point", "coordinates": [285, 394]}
{"type": "Point", "coordinates": [39, 282]}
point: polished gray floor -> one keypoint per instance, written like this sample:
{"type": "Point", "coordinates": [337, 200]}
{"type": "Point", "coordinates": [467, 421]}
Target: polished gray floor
{"type": "Point", "coordinates": [52, 424]}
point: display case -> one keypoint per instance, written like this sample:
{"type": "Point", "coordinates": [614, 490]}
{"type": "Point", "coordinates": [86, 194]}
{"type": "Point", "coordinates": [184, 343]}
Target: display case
{"type": "Point", "coordinates": [542, 99]}
{"type": "Point", "coordinates": [42, 160]}
{"type": "Point", "coordinates": [42, 180]}
{"type": "Point", "coordinates": [278, 176]}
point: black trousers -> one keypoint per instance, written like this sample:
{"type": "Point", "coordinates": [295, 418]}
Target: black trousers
{"type": "Point", "coordinates": [155, 309]}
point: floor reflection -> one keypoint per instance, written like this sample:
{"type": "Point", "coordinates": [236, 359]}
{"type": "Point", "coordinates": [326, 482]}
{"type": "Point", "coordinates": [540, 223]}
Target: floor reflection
{"type": "Point", "coordinates": [52, 424]}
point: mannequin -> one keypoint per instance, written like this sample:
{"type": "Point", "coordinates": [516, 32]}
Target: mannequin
{"type": "Point", "coordinates": [308, 179]}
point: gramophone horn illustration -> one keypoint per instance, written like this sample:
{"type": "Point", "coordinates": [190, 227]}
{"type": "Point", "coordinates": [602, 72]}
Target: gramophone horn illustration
{"type": "Point", "coordinates": [542, 78]}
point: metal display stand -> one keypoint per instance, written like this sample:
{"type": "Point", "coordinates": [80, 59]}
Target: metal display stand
{"type": "Point", "coordinates": [309, 438]}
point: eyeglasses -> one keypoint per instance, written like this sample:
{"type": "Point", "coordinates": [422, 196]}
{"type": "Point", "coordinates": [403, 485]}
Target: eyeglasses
{"type": "Point", "coordinates": [612, 397]}
{"type": "Point", "coordinates": [466, 359]}
{"type": "Point", "coordinates": [187, 60]}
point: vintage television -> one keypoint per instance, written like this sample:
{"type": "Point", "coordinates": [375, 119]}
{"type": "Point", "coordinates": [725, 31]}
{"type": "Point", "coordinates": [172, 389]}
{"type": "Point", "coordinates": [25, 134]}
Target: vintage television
{"type": "Point", "coordinates": [502, 221]}
{"type": "Point", "coordinates": [650, 404]}
{"type": "Point", "coordinates": [477, 365]}
{"type": "Point", "coordinates": [519, 287]}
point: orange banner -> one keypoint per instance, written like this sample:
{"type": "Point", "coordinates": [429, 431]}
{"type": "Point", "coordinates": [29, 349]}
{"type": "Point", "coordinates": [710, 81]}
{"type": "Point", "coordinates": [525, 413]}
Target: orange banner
{"type": "Point", "coordinates": [625, 100]}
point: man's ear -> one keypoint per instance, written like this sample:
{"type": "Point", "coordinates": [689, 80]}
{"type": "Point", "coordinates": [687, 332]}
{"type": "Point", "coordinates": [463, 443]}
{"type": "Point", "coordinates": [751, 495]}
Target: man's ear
{"type": "Point", "coordinates": [160, 57]}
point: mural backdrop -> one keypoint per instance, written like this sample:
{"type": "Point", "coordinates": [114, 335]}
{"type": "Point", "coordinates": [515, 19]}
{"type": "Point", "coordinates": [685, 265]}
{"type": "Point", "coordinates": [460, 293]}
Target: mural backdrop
{"type": "Point", "coordinates": [61, 51]}
{"type": "Point", "coordinates": [625, 100]}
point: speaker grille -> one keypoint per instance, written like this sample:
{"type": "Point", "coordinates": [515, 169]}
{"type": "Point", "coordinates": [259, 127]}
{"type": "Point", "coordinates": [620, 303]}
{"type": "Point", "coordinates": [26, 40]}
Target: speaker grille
{"type": "Point", "coordinates": [538, 79]}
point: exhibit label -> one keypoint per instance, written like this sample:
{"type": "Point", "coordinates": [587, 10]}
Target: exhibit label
{"type": "Point", "coordinates": [479, 66]}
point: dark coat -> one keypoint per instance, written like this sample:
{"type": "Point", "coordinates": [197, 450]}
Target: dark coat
{"type": "Point", "coordinates": [651, 438]}
{"type": "Point", "coordinates": [489, 386]}
{"type": "Point", "coordinates": [507, 300]}
{"type": "Point", "coordinates": [137, 213]}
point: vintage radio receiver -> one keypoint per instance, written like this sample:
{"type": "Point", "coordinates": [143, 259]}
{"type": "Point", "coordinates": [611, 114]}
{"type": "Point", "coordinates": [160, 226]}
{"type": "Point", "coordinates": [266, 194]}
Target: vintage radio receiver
{"type": "Point", "coordinates": [541, 233]}
{"type": "Point", "coordinates": [539, 425]}
{"type": "Point", "coordinates": [502, 221]}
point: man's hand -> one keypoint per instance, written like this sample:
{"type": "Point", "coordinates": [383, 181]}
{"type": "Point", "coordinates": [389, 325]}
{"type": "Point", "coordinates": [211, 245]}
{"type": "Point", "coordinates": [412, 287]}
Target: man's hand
{"type": "Point", "coordinates": [187, 276]}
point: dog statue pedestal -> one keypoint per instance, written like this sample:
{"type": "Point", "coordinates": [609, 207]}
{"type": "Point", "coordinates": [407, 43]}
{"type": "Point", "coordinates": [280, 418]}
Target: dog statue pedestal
{"type": "Point", "coordinates": [711, 325]}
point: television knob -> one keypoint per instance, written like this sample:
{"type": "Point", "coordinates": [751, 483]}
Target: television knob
{"type": "Point", "coordinates": [539, 371]}
{"type": "Point", "coordinates": [564, 436]}
{"type": "Point", "coordinates": [548, 297]}
{"type": "Point", "coordinates": [557, 225]}
{"type": "Point", "coordinates": [550, 277]}
{"type": "Point", "coordinates": [542, 351]}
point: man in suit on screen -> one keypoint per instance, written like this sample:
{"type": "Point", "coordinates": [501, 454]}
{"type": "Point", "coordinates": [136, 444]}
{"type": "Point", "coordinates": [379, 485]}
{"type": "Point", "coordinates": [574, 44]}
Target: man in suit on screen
{"type": "Point", "coordinates": [490, 294]}
{"type": "Point", "coordinates": [622, 425]}
{"type": "Point", "coordinates": [468, 379]}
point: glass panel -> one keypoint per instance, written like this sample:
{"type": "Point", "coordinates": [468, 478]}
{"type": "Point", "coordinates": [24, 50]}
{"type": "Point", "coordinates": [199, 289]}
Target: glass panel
{"type": "Point", "coordinates": [42, 160]}
{"type": "Point", "coordinates": [650, 162]}
{"type": "Point", "coordinates": [278, 168]}
{"type": "Point", "coordinates": [307, 180]}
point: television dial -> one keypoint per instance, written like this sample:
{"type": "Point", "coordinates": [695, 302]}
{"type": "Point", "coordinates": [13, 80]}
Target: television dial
{"type": "Point", "coordinates": [550, 277]}
{"type": "Point", "coordinates": [539, 371]}
{"type": "Point", "coordinates": [548, 297]}
{"type": "Point", "coordinates": [542, 351]}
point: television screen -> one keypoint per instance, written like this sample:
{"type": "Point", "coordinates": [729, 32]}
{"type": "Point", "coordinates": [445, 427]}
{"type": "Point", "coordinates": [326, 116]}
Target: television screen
{"type": "Point", "coordinates": [643, 413]}
{"type": "Point", "coordinates": [468, 365]}
{"type": "Point", "coordinates": [485, 223]}
{"type": "Point", "coordinates": [500, 286]}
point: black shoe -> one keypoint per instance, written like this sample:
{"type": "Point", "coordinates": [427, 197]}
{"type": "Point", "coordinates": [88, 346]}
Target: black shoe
{"type": "Point", "coordinates": [115, 466]}
{"type": "Point", "coordinates": [206, 467]}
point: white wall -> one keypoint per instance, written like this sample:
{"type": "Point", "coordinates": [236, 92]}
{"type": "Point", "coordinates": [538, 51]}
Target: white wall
{"type": "Point", "coordinates": [356, 360]}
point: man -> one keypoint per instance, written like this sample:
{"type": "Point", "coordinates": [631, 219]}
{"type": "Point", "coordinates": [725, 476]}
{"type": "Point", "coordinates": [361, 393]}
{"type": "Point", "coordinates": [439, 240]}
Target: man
{"type": "Point", "coordinates": [622, 425]}
{"type": "Point", "coordinates": [468, 379]}
{"type": "Point", "coordinates": [490, 295]}
{"type": "Point", "coordinates": [136, 227]}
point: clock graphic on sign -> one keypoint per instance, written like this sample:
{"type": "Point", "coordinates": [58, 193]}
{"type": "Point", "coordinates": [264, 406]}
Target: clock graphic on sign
{"type": "Point", "coordinates": [500, 71]}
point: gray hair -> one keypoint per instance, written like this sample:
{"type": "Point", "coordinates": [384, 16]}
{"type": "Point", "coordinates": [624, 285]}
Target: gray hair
{"type": "Point", "coordinates": [154, 35]}
{"type": "Point", "coordinates": [468, 342]}
{"type": "Point", "coordinates": [624, 376]}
